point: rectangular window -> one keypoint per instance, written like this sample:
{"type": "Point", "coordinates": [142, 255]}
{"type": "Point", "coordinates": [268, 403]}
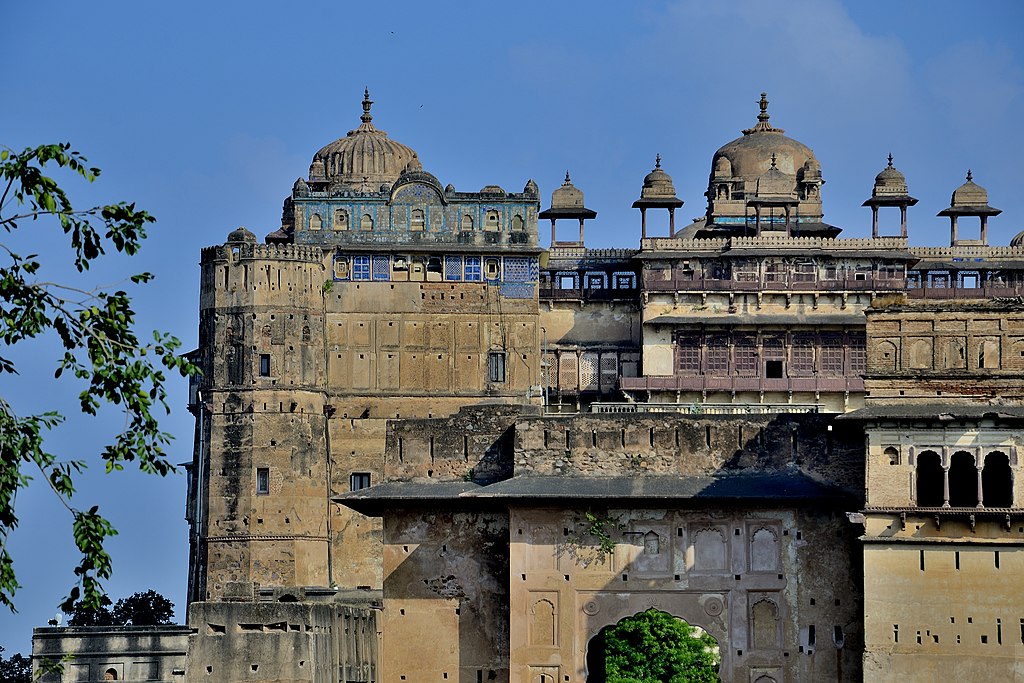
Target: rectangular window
{"type": "Point", "coordinates": [473, 269]}
{"type": "Point", "coordinates": [361, 268]}
{"type": "Point", "coordinates": [803, 358]}
{"type": "Point", "coordinates": [495, 366]}
{"type": "Point", "coordinates": [264, 365]}
{"type": "Point", "coordinates": [718, 356]}
{"type": "Point", "coordinates": [832, 357]}
{"type": "Point", "coordinates": [858, 356]}
{"type": "Point", "coordinates": [745, 357]}
{"type": "Point", "coordinates": [262, 480]}
{"type": "Point", "coordinates": [688, 350]}
{"type": "Point", "coordinates": [359, 480]}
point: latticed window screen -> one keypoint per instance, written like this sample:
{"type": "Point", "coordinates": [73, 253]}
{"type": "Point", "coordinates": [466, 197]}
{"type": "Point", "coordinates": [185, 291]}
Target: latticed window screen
{"type": "Point", "coordinates": [745, 356]}
{"type": "Point", "coordinates": [381, 267]}
{"type": "Point", "coordinates": [589, 372]}
{"type": "Point", "coordinates": [549, 373]}
{"type": "Point", "coordinates": [609, 372]}
{"type": "Point", "coordinates": [452, 267]}
{"type": "Point", "coordinates": [517, 269]}
{"type": "Point", "coordinates": [831, 356]}
{"type": "Point", "coordinates": [473, 268]}
{"type": "Point", "coordinates": [858, 356]}
{"type": "Point", "coordinates": [688, 355]}
{"type": "Point", "coordinates": [624, 280]}
{"type": "Point", "coordinates": [718, 356]}
{"type": "Point", "coordinates": [804, 272]}
{"type": "Point", "coordinates": [803, 357]}
{"type": "Point", "coordinates": [568, 371]}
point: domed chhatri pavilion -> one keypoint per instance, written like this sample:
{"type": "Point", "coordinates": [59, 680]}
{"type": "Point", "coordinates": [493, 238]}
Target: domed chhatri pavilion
{"type": "Point", "coordinates": [430, 447]}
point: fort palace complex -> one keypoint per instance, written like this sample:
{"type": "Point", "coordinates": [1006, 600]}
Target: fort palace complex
{"type": "Point", "coordinates": [430, 447]}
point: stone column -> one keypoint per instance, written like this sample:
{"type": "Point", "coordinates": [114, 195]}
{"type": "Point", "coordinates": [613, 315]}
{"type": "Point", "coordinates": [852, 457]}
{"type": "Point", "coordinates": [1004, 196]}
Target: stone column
{"type": "Point", "coordinates": [671, 222]}
{"type": "Point", "coordinates": [903, 220]}
{"type": "Point", "coordinates": [981, 497]}
{"type": "Point", "coordinates": [874, 222]}
{"type": "Point", "coordinates": [643, 223]}
{"type": "Point", "coordinates": [945, 486]}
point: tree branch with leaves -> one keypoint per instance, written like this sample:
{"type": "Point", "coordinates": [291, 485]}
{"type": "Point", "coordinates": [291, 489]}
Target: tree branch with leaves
{"type": "Point", "coordinates": [98, 347]}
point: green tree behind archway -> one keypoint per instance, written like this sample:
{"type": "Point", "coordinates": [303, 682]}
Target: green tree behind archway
{"type": "Point", "coordinates": [655, 647]}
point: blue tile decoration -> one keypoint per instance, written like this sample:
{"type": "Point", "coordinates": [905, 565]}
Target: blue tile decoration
{"type": "Point", "coordinates": [381, 267]}
{"type": "Point", "coordinates": [452, 267]}
{"type": "Point", "coordinates": [517, 290]}
{"type": "Point", "coordinates": [517, 269]}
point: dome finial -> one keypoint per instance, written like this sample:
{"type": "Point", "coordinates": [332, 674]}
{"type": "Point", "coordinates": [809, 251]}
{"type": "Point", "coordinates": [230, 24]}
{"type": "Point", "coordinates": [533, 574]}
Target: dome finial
{"type": "Point", "coordinates": [763, 104]}
{"type": "Point", "coordinates": [367, 102]}
{"type": "Point", "coordinates": [567, 181]}
{"type": "Point", "coordinates": [773, 160]}
{"type": "Point", "coordinates": [969, 176]}
{"type": "Point", "coordinates": [890, 159]}
{"type": "Point", "coordinates": [657, 161]}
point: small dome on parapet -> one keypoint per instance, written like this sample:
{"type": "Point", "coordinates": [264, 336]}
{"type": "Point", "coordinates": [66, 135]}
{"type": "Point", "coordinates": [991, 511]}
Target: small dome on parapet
{"type": "Point", "coordinates": [811, 170]}
{"type": "Point", "coordinates": [774, 183]}
{"type": "Point", "coordinates": [568, 196]}
{"type": "Point", "coordinates": [240, 234]}
{"type": "Point", "coordinates": [300, 188]}
{"type": "Point", "coordinates": [970, 199]}
{"type": "Point", "coordinates": [969, 194]}
{"type": "Point", "coordinates": [316, 171]}
{"type": "Point", "coordinates": [1018, 240]}
{"type": "Point", "coordinates": [890, 182]}
{"type": "Point", "coordinates": [449, 188]}
{"type": "Point", "coordinates": [723, 167]}
{"type": "Point", "coordinates": [657, 183]}
{"type": "Point", "coordinates": [493, 189]}
{"type": "Point", "coordinates": [531, 188]}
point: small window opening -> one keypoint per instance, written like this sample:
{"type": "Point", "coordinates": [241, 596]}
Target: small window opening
{"type": "Point", "coordinates": [264, 365]}
{"type": "Point", "coordinates": [358, 481]}
{"type": "Point", "coordinates": [262, 480]}
{"type": "Point", "coordinates": [496, 366]}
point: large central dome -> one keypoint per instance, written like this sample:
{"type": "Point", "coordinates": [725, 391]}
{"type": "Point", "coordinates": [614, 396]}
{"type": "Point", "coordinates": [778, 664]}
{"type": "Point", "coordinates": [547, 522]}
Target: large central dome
{"type": "Point", "coordinates": [365, 156]}
{"type": "Point", "coordinates": [762, 173]}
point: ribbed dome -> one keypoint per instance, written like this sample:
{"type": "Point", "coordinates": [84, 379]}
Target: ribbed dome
{"type": "Point", "coordinates": [657, 183]}
{"type": "Point", "coordinates": [366, 154]}
{"type": "Point", "coordinates": [751, 155]}
{"type": "Point", "coordinates": [890, 182]}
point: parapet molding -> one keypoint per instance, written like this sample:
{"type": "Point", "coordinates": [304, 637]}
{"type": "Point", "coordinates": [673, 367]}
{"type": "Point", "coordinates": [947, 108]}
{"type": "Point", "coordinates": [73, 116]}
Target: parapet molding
{"type": "Point", "coordinates": [302, 253]}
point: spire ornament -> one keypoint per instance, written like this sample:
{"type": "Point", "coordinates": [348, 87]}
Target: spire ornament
{"type": "Point", "coordinates": [890, 159]}
{"type": "Point", "coordinates": [970, 178]}
{"type": "Point", "coordinates": [762, 125]}
{"type": "Point", "coordinates": [367, 103]}
{"type": "Point", "coordinates": [657, 161]}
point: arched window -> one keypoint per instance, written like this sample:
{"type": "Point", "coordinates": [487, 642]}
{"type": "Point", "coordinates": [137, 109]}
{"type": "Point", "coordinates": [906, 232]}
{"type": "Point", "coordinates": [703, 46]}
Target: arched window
{"type": "Point", "coordinates": [963, 480]}
{"type": "Point", "coordinates": [929, 480]}
{"type": "Point", "coordinates": [467, 222]}
{"type": "Point", "coordinates": [315, 222]}
{"type": "Point", "coordinates": [366, 223]}
{"type": "Point", "coordinates": [517, 222]}
{"type": "Point", "coordinates": [997, 481]}
{"type": "Point", "coordinates": [892, 454]}
{"type": "Point", "coordinates": [341, 219]}
{"type": "Point", "coordinates": [886, 356]}
{"type": "Point", "coordinates": [491, 220]}
{"type": "Point", "coordinates": [110, 674]}
{"type": "Point", "coordinates": [416, 221]}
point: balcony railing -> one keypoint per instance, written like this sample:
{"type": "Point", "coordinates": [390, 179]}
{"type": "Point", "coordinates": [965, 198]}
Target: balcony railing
{"type": "Point", "coordinates": [707, 408]}
{"type": "Point", "coordinates": [737, 383]}
{"type": "Point", "coordinates": [767, 284]}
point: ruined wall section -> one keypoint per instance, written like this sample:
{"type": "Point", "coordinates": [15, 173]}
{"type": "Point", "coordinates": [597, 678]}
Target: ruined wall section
{"type": "Point", "coordinates": [283, 642]}
{"type": "Point", "coordinates": [446, 581]}
{"type": "Point", "coordinates": [666, 444]}
{"type": "Point", "coordinates": [261, 465]}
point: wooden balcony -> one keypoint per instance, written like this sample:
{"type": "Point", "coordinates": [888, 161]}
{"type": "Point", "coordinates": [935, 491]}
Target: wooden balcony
{"type": "Point", "coordinates": [738, 384]}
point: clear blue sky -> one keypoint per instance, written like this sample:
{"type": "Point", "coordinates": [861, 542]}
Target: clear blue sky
{"type": "Point", "coordinates": [205, 113]}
